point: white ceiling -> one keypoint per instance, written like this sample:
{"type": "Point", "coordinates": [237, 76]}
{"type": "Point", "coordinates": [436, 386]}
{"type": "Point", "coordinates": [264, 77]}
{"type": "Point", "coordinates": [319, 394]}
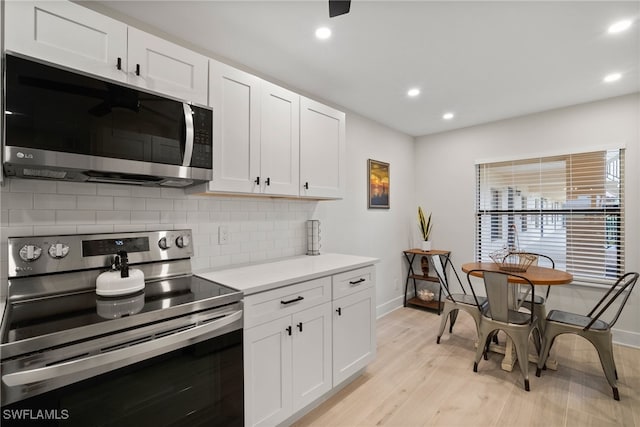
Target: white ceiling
{"type": "Point", "coordinates": [484, 61]}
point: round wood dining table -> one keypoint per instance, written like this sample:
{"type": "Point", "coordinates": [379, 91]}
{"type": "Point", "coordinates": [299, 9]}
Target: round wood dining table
{"type": "Point", "coordinates": [537, 275]}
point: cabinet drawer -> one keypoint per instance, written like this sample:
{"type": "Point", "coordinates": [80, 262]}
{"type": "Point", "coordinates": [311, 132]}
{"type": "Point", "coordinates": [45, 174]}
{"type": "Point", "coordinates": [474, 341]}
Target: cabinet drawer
{"type": "Point", "coordinates": [266, 306]}
{"type": "Point", "coordinates": [353, 281]}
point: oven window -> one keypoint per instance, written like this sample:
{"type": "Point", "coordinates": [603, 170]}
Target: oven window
{"type": "Point", "coordinates": [201, 384]}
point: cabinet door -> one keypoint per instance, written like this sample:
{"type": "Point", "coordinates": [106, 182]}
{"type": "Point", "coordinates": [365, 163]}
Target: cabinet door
{"type": "Point", "coordinates": [280, 140]}
{"type": "Point", "coordinates": [322, 150]}
{"type": "Point", "coordinates": [67, 34]}
{"type": "Point", "coordinates": [235, 99]}
{"type": "Point", "coordinates": [267, 373]}
{"type": "Point", "coordinates": [167, 68]}
{"type": "Point", "coordinates": [354, 334]}
{"type": "Point", "coordinates": [312, 375]}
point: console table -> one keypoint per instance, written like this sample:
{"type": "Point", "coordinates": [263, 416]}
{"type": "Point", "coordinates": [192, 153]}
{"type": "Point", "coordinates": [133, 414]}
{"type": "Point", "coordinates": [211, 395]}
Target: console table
{"type": "Point", "coordinates": [410, 256]}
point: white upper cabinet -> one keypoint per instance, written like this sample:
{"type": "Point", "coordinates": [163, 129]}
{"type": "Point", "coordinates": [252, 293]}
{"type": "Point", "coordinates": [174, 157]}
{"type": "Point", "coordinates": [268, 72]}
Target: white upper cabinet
{"type": "Point", "coordinates": [235, 99]}
{"type": "Point", "coordinates": [67, 34]}
{"type": "Point", "coordinates": [280, 140]}
{"type": "Point", "coordinates": [256, 134]}
{"type": "Point", "coordinates": [70, 35]}
{"type": "Point", "coordinates": [322, 150]}
{"type": "Point", "coordinates": [165, 67]}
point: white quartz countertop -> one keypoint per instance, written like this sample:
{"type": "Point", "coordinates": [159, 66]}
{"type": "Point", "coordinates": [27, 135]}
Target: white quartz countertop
{"type": "Point", "coordinates": [270, 275]}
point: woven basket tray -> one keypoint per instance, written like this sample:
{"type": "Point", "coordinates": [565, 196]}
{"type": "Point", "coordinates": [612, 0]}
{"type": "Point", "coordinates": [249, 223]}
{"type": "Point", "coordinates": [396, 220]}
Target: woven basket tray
{"type": "Point", "coordinates": [514, 261]}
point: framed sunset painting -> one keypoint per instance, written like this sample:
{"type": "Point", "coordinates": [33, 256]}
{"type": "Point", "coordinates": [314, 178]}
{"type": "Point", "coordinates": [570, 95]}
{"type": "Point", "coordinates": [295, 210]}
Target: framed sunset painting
{"type": "Point", "coordinates": [378, 194]}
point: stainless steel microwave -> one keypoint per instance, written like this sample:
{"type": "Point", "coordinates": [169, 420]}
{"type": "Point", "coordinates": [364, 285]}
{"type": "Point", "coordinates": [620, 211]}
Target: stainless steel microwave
{"type": "Point", "coordinates": [69, 126]}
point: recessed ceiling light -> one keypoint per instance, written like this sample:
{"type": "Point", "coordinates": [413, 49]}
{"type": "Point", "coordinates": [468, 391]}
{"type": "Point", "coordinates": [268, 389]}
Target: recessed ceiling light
{"type": "Point", "coordinates": [447, 116]}
{"type": "Point", "coordinates": [620, 26]}
{"type": "Point", "coordinates": [612, 77]}
{"type": "Point", "coordinates": [413, 92]}
{"type": "Point", "coordinates": [323, 33]}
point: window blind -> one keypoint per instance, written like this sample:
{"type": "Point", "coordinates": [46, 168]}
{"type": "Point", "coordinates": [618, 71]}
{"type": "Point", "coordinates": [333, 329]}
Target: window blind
{"type": "Point", "coordinates": [569, 207]}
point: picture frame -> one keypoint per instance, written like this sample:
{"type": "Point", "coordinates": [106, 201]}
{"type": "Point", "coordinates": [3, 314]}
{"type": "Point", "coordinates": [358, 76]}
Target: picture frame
{"type": "Point", "coordinates": [378, 193]}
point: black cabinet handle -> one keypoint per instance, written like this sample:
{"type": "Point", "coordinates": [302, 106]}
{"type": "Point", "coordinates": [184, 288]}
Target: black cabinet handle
{"type": "Point", "coordinates": [137, 69]}
{"type": "Point", "coordinates": [292, 300]}
{"type": "Point", "coordinates": [268, 181]}
{"type": "Point", "coordinates": [339, 311]}
{"type": "Point", "coordinates": [306, 185]}
{"type": "Point", "coordinates": [300, 326]}
{"type": "Point", "coordinates": [288, 330]}
{"type": "Point", "coordinates": [257, 180]}
{"type": "Point", "coordinates": [119, 64]}
{"type": "Point", "coordinates": [357, 281]}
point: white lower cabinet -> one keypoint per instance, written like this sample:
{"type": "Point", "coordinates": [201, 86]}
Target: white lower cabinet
{"type": "Point", "coordinates": [354, 340]}
{"type": "Point", "coordinates": [302, 340]}
{"type": "Point", "coordinates": [287, 365]}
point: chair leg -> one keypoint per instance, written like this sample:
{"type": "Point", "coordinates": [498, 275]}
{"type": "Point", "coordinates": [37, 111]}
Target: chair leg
{"type": "Point", "coordinates": [604, 347]}
{"type": "Point", "coordinates": [443, 320]}
{"type": "Point", "coordinates": [521, 343]}
{"type": "Point", "coordinates": [452, 320]}
{"type": "Point", "coordinates": [481, 350]}
{"type": "Point", "coordinates": [547, 342]}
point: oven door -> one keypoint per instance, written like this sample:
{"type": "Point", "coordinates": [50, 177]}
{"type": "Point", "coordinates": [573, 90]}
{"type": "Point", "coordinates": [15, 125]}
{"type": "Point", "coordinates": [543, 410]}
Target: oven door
{"type": "Point", "coordinates": [198, 380]}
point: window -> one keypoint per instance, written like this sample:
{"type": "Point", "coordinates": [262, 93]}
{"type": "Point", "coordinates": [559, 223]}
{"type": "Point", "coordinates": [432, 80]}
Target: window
{"type": "Point", "coordinates": [569, 207]}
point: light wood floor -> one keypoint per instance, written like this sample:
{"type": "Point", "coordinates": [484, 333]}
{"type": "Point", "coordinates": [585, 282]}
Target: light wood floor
{"type": "Point", "coordinates": [415, 382]}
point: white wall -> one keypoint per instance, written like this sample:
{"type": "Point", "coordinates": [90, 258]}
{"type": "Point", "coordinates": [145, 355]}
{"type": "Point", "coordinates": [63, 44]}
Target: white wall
{"type": "Point", "coordinates": [445, 173]}
{"type": "Point", "coordinates": [348, 226]}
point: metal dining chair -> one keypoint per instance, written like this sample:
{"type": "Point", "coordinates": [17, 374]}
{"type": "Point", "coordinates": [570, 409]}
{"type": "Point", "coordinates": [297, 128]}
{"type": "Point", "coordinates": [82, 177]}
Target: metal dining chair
{"type": "Point", "coordinates": [537, 304]}
{"type": "Point", "coordinates": [454, 302]}
{"type": "Point", "coordinates": [502, 314]}
{"type": "Point", "coordinates": [592, 327]}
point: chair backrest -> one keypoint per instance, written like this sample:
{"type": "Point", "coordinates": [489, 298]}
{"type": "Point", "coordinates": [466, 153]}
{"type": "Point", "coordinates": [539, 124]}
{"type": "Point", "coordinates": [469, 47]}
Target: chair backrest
{"type": "Point", "coordinates": [440, 264]}
{"type": "Point", "coordinates": [501, 294]}
{"type": "Point", "coordinates": [624, 285]}
{"type": "Point", "coordinates": [547, 261]}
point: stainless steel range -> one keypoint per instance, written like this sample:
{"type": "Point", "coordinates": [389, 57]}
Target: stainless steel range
{"type": "Point", "coordinates": [114, 329]}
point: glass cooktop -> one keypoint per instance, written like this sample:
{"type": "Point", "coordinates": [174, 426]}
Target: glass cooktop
{"type": "Point", "coordinates": [34, 318]}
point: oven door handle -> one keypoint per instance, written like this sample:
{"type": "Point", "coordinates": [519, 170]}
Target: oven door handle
{"type": "Point", "coordinates": [139, 351]}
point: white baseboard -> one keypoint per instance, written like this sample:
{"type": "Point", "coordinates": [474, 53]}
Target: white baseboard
{"type": "Point", "coordinates": [626, 338]}
{"type": "Point", "coordinates": [389, 306]}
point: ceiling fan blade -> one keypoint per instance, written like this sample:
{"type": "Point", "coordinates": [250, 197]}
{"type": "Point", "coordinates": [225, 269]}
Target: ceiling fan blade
{"type": "Point", "coordinates": [338, 7]}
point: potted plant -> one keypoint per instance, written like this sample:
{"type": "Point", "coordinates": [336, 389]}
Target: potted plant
{"type": "Point", "coordinates": [425, 229]}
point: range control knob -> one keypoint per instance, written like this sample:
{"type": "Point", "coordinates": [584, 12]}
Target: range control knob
{"type": "Point", "coordinates": [164, 243]}
{"type": "Point", "coordinates": [30, 252]}
{"type": "Point", "coordinates": [58, 250]}
{"type": "Point", "coordinates": [183, 241]}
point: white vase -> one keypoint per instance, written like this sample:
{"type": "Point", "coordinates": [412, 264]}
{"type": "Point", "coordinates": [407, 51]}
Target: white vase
{"type": "Point", "coordinates": [425, 245]}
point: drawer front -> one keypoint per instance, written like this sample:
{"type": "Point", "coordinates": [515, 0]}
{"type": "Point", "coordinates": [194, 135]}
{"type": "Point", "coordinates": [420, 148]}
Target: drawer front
{"type": "Point", "coordinates": [353, 281]}
{"type": "Point", "coordinates": [266, 306]}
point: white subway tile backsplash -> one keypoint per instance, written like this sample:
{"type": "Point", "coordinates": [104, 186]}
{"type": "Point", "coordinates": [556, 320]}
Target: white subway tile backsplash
{"type": "Point", "coordinates": [159, 204]}
{"type": "Point", "coordinates": [114, 190]}
{"type": "Point", "coordinates": [145, 217]}
{"type": "Point", "coordinates": [76, 188]}
{"type": "Point", "coordinates": [129, 203]}
{"type": "Point", "coordinates": [75, 217]}
{"type": "Point", "coordinates": [113, 217]}
{"type": "Point", "coordinates": [53, 201]}
{"type": "Point", "coordinates": [31, 186]}
{"type": "Point", "coordinates": [17, 200]}
{"type": "Point", "coordinates": [95, 203]}
{"type": "Point", "coordinates": [21, 217]}
{"type": "Point", "coordinates": [49, 230]}
{"type": "Point", "coordinates": [259, 228]}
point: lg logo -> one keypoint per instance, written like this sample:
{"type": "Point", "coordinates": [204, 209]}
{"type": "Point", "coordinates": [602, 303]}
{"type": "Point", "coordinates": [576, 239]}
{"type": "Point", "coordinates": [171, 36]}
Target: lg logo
{"type": "Point", "coordinates": [22, 155]}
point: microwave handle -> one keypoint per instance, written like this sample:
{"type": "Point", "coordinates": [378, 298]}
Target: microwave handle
{"type": "Point", "coordinates": [188, 143]}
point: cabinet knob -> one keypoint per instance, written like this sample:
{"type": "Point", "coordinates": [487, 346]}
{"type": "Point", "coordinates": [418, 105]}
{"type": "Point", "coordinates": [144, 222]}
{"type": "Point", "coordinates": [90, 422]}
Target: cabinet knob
{"type": "Point", "coordinates": [300, 326]}
{"type": "Point", "coordinates": [268, 181]}
{"type": "Point", "coordinates": [288, 330]}
{"type": "Point", "coordinates": [306, 185]}
{"type": "Point", "coordinates": [119, 64]}
{"type": "Point", "coordinates": [137, 69]}
{"type": "Point", "coordinates": [257, 180]}
{"type": "Point", "coordinates": [339, 311]}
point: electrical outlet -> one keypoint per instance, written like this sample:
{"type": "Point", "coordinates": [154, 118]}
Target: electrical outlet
{"type": "Point", "coordinates": [223, 235]}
